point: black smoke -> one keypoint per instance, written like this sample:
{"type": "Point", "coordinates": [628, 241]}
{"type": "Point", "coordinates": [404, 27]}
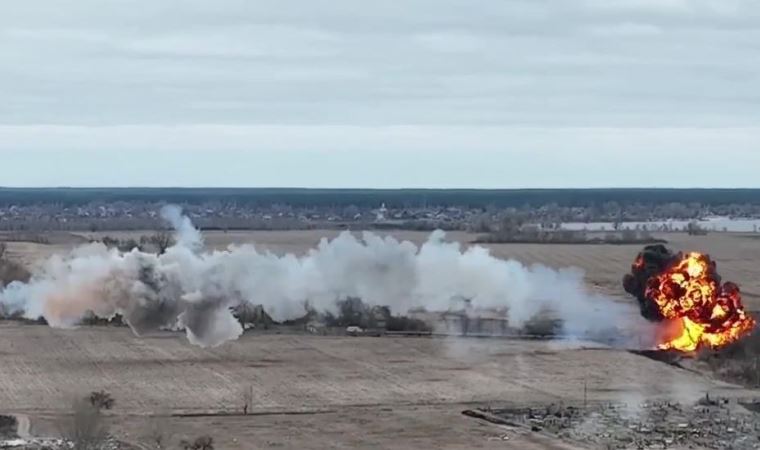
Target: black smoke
{"type": "Point", "coordinates": [650, 262]}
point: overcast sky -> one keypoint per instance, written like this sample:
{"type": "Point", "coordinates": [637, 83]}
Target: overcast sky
{"type": "Point", "coordinates": [399, 93]}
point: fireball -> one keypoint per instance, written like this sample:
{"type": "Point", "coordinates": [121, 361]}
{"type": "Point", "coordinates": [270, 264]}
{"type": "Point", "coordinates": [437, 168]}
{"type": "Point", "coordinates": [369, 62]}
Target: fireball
{"type": "Point", "coordinates": [689, 292]}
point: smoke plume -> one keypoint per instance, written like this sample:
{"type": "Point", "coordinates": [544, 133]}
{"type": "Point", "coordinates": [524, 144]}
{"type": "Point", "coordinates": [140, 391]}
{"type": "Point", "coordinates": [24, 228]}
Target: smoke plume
{"type": "Point", "coordinates": [193, 289]}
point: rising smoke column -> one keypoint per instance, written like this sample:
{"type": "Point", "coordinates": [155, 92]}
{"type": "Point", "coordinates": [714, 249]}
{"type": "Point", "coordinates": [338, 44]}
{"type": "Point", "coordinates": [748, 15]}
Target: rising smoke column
{"type": "Point", "coordinates": [195, 290]}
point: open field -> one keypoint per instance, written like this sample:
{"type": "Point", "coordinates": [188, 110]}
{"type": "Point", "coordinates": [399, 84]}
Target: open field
{"type": "Point", "coordinates": [322, 392]}
{"type": "Point", "coordinates": [341, 392]}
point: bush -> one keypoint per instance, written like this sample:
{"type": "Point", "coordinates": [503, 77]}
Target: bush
{"type": "Point", "coordinates": [201, 443]}
{"type": "Point", "coordinates": [8, 427]}
{"type": "Point", "coordinates": [85, 429]}
{"type": "Point", "coordinates": [101, 400]}
{"type": "Point", "coordinates": [90, 319]}
{"type": "Point", "coordinates": [122, 245]}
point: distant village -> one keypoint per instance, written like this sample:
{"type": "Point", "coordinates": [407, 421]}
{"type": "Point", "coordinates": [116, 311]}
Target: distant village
{"type": "Point", "coordinates": [138, 216]}
{"type": "Point", "coordinates": [133, 215]}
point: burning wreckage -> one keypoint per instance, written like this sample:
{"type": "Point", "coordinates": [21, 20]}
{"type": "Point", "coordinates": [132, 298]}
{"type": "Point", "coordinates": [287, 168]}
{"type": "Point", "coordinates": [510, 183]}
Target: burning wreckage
{"type": "Point", "coordinates": [685, 292]}
{"type": "Point", "coordinates": [697, 310]}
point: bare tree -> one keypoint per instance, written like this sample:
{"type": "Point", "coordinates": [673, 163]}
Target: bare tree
{"type": "Point", "coordinates": [3, 248]}
{"type": "Point", "coordinates": [160, 241]}
{"type": "Point", "coordinates": [85, 429]}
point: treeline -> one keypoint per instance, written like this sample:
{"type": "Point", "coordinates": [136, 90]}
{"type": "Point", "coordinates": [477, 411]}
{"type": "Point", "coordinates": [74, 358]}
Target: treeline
{"type": "Point", "coordinates": [373, 197]}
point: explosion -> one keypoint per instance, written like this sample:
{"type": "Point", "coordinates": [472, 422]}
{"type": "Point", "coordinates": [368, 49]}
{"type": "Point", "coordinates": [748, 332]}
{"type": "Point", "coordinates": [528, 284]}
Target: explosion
{"type": "Point", "coordinates": [686, 290]}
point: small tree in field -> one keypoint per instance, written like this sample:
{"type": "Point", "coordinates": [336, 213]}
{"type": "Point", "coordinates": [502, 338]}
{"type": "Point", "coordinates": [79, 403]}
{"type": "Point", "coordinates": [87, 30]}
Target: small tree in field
{"type": "Point", "coordinates": [101, 400]}
{"type": "Point", "coordinates": [161, 241]}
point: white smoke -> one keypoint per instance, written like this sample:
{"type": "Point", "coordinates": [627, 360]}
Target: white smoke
{"type": "Point", "coordinates": [192, 289]}
{"type": "Point", "coordinates": [187, 235]}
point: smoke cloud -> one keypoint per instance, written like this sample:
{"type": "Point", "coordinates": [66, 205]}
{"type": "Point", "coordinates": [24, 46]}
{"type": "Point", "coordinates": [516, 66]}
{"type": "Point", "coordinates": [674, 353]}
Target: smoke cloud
{"type": "Point", "coordinates": [187, 235]}
{"type": "Point", "coordinates": [193, 289]}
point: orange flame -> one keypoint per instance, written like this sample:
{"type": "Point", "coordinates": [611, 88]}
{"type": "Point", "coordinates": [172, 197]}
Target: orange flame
{"type": "Point", "coordinates": [711, 314]}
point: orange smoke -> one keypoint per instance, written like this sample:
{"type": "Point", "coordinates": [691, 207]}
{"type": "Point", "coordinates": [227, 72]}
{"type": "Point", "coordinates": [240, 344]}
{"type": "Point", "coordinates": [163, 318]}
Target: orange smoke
{"type": "Point", "coordinates": [710, 314]}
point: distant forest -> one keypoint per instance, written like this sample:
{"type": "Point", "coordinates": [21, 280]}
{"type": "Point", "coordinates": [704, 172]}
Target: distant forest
{"type": "Point", "coordinates": [367, 198]}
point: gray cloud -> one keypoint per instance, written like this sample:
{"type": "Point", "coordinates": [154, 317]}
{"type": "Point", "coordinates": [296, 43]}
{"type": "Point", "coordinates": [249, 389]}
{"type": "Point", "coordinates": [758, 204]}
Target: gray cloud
{"type": "Point", "coordinates": [643, 62]}
{"type": "Point", "coordinates": [591, 65]}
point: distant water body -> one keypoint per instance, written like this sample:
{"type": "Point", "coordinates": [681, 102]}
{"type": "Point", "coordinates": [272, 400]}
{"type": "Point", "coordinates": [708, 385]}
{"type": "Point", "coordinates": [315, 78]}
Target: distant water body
{"type": "Point", "coordinates": [711, 224]}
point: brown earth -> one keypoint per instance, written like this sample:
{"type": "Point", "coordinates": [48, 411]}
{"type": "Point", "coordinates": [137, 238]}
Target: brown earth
{"type": "Point", "coordinates": [341, 392]}
{"type": "Point", "coordinates": [323, 392]}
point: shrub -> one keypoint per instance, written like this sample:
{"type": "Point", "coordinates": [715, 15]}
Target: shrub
{"type": "Point", "coordinates": [201, 443]}
{"type": "Point", "coordinates": [101, 400]}
{"type": "Point", "coordinates": [85, 429]}
{"type": "Point", "coordinates": [8, 427]}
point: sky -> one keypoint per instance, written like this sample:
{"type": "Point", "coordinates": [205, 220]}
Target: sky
{"type": "Point", "coordinates": [412, 93]}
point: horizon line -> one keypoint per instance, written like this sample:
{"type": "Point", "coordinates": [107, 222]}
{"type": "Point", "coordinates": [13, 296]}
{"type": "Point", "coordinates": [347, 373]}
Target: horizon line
{"type": "Point", "coordinates": [356, 188]}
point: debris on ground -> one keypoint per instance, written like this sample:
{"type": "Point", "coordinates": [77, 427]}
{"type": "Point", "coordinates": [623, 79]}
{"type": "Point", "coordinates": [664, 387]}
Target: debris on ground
{"type": "Point", "coordinates": [56, 444]}
{"type": "Point", "coordinates": [710, 423]}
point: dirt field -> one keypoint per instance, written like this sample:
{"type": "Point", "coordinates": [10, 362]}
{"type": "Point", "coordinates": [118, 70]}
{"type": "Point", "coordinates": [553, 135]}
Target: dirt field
{"type": "Point", "coordinates": [342, 392]}
{"type": "Point", "coordinates": [322, 392]}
